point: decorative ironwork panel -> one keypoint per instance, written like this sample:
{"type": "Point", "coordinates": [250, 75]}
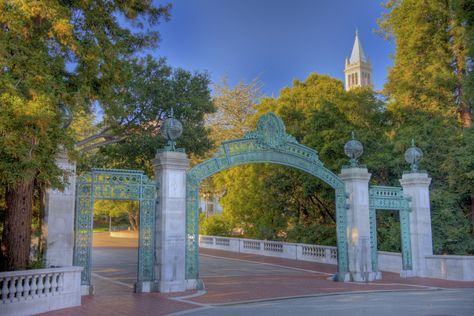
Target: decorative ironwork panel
{"type": "Point", "coordinates": [192, 229]}
{"type": "Point", "coordinates": [405, 236]}
{"type": "Point", "coordinates": [268, 144]}
{"type": "Point", "coordinates": [146, 249]}
{"type": "Point", "coordinates": [390, 198]}
{"type": "Point", "coordinates": [83, 223]}
{"type": "Point", "coordinates": [115, 184]}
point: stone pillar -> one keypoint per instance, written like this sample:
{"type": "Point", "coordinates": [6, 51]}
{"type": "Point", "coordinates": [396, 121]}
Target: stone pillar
{"type": "Point", "coordinates": [358, 224]}
{"type": "Point", "coordinates": [58, 225]}
{"type": "Point", "coordinates": [416, 186]}
{"type": "Point", "coordinates": [170, 171]}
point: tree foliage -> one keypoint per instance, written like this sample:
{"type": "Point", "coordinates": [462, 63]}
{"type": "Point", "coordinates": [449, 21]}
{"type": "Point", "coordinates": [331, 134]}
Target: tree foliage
{"type": "Point", "coordinates": [274, 202]}
{"type": "Point", "coordinates": [119, 209]}
{"type": "Point", "coordinates": [75, 53]}
{"type": "Point", "coordinates": [429, 101]}
{"type": "Point", "coordinates": [142, 104]}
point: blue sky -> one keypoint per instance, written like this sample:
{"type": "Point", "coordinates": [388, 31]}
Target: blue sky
{"type": "Point", "coordinates": [275, 40]}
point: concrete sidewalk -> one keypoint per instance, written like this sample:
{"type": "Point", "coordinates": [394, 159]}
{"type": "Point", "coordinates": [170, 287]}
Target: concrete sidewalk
{"type": "Point", "coordinates": [232, 278]}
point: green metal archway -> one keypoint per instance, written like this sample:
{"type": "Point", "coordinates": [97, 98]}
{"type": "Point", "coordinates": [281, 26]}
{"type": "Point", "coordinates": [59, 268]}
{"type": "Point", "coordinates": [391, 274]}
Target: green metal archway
{"type": "Point", "coordinates": [115, 184]}
{"type": "Point", "coordinates": [392, 199]}
{"type": "Point", "coordinates": [268, 144]}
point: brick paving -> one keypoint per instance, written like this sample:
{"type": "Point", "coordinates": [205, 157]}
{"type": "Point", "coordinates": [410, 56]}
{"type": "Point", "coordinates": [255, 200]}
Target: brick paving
{"type": "Point", "coordinates": [118, 300]}
{"type": "Point", "coordinates": [241, 288]}
{"type": "Point", "coordinates": [309, 279]}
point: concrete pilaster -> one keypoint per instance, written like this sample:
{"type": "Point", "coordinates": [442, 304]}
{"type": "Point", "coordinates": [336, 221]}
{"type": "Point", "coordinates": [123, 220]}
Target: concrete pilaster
{"type": "Point", "coordinates": [170, 171]}
{"type": "Point", "coordinates": [58, 224]}
{"type": "Point", "coordinates": [358, 224]}
{"type": "Point", "coordinates": [416, 186]}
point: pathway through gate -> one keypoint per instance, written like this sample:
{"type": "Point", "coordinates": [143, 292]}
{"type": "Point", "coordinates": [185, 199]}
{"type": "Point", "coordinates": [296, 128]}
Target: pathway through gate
{"type": "Point", "coordinates": [268, 144]}
{"type": "Point", "coordinates": [115, 184]}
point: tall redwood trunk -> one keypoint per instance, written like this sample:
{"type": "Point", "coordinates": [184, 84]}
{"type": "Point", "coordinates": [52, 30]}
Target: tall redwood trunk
{"type": "Point", "coordinates": [472, 214]}
{"type": "Point", "coordinates": [16, 237]}
{"type": "Point", "coordinates": [466, 117]}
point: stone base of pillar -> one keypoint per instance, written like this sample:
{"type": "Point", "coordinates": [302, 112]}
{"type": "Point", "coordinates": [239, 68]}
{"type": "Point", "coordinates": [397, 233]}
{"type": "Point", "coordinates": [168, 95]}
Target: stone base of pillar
{"type": "Point", "coordinates": [365, 276]}
{"type": "Point", "coordinates": [87, 290]}
{"type": "Point", "coordinates": [194, 284]}
{"type": "Point", "coordinates": [342, 277]}
{"type": "Point", "coordinates": [172, 286]}
{"type": "Point", "coordinates": [407, 274]}
{"type": "Point", "coordinates": [146, 287]}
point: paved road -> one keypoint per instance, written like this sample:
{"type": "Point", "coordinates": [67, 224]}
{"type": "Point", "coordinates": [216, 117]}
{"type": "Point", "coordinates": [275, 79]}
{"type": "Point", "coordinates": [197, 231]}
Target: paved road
{"type": "Point", "coordinates": [426, 303]}
{"type": "Point", "coordinates": [119, 264]}
{"type": "Point", "coordinates": [115, 261]}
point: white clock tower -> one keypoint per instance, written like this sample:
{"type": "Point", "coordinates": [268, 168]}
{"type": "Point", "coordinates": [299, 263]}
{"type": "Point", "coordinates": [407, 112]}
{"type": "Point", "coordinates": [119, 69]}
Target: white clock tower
{"type": "Point", "coordinates": [358, 70]}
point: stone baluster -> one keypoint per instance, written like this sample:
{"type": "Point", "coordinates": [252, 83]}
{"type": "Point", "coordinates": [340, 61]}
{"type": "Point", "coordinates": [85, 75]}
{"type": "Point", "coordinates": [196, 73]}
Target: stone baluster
{"type": "Point", "coordinates": [5, 289]}
{"type": "Point", "coordinates": [12, 289]}
{"type": "Point", "coordinates": [26, 287]}
{"type": "Point", "coordinates": [327, 254]}
{"type": "Point", "coordinates": [47, 284]}
{"type": "Point", "coordinates": [40, 285]}
{"type": "Point", "coordinates": [54, 283]}
{"type": "Point", "coordinates": [34, 286]}
{"type": "Point", "coordinates": [19, 288]}
{"type": "Point", "coordinates": [61, 282]}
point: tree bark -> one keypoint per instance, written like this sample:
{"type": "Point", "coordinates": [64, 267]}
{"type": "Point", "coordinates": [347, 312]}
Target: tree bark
{"type": "Point", "coordinates": [472, 214]}
{"type": "Point", "coordinates": [16, 237]}
{"type": "Point", "coordinates": [133, 221]}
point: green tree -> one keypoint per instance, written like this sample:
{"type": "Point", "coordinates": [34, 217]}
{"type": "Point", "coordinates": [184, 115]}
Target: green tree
{"type": "Point", "coordinates": [117, 209]}
{"type": "Point", "coordinates": [234, 107]}
{"type": "Point", "coordinates": [132, 133]}
{"type": "Point", "coordinates": [274, 202]}
{"type": "Point", "coordinates": [213, 225]}
{"type": "Point", "coordinates": [428, 101]}
{"type": "Point", "coordinates": [74, 53]}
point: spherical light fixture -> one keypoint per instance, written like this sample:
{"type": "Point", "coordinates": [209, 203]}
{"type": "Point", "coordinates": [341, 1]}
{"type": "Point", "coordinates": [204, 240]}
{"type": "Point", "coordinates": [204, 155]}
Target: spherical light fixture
{"type": "Point", "coordinates": [413, 156]}
{"type": "Point", "coordinates": [66, 116]}
{"type": "Point", "coordinates": [353, 149]}
{"type": "Point", "coordinates": [171, 130]}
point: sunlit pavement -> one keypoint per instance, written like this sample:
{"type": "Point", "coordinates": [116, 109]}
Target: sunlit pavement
{"type": "Point", "coordinates": [428, 303]}
{"type": "Point", "coordinates": [273, 283]}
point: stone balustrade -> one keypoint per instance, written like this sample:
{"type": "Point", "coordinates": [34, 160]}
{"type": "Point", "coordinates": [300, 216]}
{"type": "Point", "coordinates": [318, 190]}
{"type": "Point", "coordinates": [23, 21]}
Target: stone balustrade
{"type": "Point", "coordinates": [460, 268]}
{"type": "Point", "coordinates": [36, 291]}
{"type": "Point", "coordinates": [303, 252]}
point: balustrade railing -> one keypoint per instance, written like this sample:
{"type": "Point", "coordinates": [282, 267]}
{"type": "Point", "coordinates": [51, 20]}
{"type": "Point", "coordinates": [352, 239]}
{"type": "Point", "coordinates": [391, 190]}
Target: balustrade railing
{"type": "Point", "coordinates": [35, 291]}
{"type": "Point", "coordinates": [444, 267]}
{"type": "Point", "coordinates": [304, 252]}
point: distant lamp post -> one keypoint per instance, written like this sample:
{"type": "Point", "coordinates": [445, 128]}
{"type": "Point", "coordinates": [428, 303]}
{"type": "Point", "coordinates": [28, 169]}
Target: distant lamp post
{"type": "Point", "coordinates": [353, 149]}
{"type": "Point", "coordinates": [413, 156]}
{"type": "Point", "coordinates": [66, 116]}
{"type": "Point", "coordinates": [171, 130]}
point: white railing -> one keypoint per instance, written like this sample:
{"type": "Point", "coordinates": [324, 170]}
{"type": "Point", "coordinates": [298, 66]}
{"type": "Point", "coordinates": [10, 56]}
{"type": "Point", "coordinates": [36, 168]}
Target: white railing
{"type": "Point", "coordinates": [36, 291]}
{"type": "Point", "coordinates": [303, 252]}
{"type": "Point", "coordinates": [448, 267]}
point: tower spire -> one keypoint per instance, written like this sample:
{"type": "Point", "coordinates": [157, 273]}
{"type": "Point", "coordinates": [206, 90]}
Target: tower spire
{"type": "Point", "coordinates": [357, 51]}
{"type": "Point", "coordinates": [358, 69]}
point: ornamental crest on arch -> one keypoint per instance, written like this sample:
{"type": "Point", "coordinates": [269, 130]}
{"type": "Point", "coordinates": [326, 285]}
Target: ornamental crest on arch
{"type": "Point", "coordinates": [271, 132]}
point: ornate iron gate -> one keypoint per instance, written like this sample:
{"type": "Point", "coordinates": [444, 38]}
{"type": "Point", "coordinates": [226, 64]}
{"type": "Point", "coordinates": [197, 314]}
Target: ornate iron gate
{"type": "Point", "coordinates": [390, 198]}
{"type": "Point", "coordinates": [268, 144]}
{"type": "Point", "coordinates": [115, 184]}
